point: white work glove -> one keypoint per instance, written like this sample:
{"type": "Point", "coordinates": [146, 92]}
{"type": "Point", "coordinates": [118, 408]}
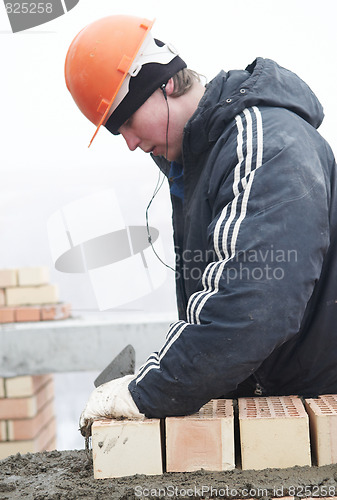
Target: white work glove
{"type": "Point", "coordinates": [110, 400]}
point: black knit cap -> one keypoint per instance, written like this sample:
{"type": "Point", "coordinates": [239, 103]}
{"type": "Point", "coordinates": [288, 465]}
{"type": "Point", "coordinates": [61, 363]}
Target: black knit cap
{"type": "Point", "coordinates": [141, 87]}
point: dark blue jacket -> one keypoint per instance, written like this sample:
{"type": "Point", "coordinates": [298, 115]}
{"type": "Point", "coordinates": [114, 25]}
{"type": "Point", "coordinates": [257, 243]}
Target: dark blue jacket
{"type": "Point", "coordinates": [256, 250]}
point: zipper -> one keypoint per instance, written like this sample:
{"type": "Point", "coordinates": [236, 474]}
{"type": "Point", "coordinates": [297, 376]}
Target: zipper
{"type": "Point", "coordinates": [258, 387]}
{"type": "Point", "coordinates": [258, 390]}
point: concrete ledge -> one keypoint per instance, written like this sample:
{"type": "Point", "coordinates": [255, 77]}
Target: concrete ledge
{"type": "Point", "coordinates": [87, 343]}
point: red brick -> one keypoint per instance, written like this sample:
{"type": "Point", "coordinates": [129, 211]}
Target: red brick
{"type": "Point", "coordinates": [18, 408]}
{"type": "Point", "coordinates": [204, 440]}
{"type": "Point", "coordinates": [55, 312]}
{"type": "Point", "coordinates": [32, 313]}
{"type": "Point", "coordinates": [7, 314]}
{"type": "Point", "coordinates": [29, 428]}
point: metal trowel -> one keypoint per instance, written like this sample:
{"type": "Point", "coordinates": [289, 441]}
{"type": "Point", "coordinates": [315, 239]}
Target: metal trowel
{"type": "Point", "coordinates": [122, 364]}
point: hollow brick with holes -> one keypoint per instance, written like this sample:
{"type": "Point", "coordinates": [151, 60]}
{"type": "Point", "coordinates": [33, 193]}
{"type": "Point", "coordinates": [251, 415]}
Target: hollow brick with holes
{"type": "Point", "coordinates": [126, 447]}
{"type": "Point", "coordinates": [322, 413]}
{"type": "Point", "coordinates": [202, 440]}
{"type": "Point", "coordinates": [274, 433]}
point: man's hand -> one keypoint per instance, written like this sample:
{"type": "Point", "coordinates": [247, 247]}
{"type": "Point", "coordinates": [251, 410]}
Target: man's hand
{"type": "Point", "coordinates": [110, 400]}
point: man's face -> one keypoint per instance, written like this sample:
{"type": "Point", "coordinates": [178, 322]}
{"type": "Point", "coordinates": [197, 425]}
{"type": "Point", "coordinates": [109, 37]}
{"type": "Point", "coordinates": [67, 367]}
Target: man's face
{"type": "Point", "coordinates": [147, 127]}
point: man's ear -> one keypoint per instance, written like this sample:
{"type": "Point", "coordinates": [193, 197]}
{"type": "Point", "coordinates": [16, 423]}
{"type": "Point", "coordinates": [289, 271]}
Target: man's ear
{"type": "Point", "coordinates": [169, 87]}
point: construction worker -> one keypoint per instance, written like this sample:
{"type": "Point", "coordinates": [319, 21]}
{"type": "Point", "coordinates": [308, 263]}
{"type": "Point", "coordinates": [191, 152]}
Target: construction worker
{"type": "Point", "coordinates": [253, 190]}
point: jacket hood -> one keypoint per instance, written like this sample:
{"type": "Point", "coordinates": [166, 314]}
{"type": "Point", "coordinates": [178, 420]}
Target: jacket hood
{"type": "Point", "coordinates": [262, 83]}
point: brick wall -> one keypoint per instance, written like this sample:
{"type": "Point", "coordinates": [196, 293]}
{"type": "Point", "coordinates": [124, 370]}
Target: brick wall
{"type": "Point", "coordinates": [27, 419]}
{"type": "Point", "coordinates": [275, 432]}
{"type": "Point", "coordinates": [26, 295]}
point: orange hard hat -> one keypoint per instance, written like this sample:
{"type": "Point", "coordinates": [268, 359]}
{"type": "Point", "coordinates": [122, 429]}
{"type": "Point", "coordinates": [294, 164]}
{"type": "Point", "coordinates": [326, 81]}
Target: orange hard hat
{"type": "Point", "coordinates": [102, 59]}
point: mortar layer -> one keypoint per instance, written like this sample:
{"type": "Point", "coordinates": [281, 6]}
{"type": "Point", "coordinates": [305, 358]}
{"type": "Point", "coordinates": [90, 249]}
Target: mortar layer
{"type": "Point", "coordinates": [68, 475]}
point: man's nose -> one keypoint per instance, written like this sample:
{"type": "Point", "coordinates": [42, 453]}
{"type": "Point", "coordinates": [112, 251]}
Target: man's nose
{"type": "Point", "coordinates": [131, 140]}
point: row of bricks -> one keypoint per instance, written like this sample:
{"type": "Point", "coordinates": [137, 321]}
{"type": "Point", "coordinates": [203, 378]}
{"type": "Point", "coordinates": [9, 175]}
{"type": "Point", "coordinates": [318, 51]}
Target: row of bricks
{"type": "Point", "coordinates": [273, 433]}
{"type": "Point", "coordinates": [27, 421]}
{"type": "Point", "coordinates": [35, 313]}
{"type": "Point", "coordinates": [27, 407]}
{"type": "Point", "coordinates": [45, 440]}
{"type": "Point", "coordinates": [23, 429]}
{"type": "Point", "coordinates": [24, 276]}
{"type": "Point", "coordinates": [29, 295]}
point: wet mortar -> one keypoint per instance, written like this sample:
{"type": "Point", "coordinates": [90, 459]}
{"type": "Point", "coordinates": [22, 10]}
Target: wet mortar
{"type": "Point", "coordinates": [68, 475]}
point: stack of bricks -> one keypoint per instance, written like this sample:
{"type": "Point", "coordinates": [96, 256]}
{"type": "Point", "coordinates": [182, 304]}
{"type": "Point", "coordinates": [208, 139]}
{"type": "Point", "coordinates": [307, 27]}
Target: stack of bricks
{"type": "Point", "coordinates": [27, 421]}
{"type": "Point", "coordinates": [26, 295]}
{"type": "Point", "coordinates": [271, 432]}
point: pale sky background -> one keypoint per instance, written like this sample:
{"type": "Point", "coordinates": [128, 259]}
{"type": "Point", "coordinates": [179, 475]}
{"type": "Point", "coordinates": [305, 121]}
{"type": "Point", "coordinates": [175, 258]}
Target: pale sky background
{"type": "Point", "coordinates": [45, 161]}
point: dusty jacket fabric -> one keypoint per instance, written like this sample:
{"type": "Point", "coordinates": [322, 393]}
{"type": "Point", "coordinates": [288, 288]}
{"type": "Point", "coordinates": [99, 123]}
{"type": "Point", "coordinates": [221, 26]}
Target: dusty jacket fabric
{"type": "Point", "coordinates": [256, 250]}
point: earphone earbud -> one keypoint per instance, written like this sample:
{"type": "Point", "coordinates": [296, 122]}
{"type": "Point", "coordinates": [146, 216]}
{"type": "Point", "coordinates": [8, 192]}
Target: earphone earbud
{"type": "Point", "coordinates": [163, 89]}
